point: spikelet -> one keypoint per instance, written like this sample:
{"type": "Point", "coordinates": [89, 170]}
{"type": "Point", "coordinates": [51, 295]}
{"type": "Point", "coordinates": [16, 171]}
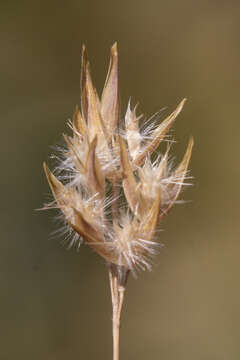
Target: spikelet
{"type": "Point", "coordinates": [101, 159]}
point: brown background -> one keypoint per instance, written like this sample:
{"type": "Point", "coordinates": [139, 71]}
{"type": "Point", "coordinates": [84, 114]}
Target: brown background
{"type": "Point", "coordinates": [55, 304]}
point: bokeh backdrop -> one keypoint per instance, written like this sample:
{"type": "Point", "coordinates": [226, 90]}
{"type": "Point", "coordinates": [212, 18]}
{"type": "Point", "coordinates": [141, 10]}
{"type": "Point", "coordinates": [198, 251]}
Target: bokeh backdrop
{"type": "Point", "coordinates": [55, 304]}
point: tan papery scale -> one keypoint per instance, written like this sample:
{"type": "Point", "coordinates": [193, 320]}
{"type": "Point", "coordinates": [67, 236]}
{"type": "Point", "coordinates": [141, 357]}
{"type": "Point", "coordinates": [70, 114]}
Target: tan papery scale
{"type": "Point", "coordinates": [110, 107]}
{"type": "Point", "coordinates": [95, 178]}
{"type": "Point", "coordinates": [94, 240]}
{"type": "Point", "coordinates": [158, 135]}
{"type": "Point", "coordinates": [129, 183]}
{"type": "Point", "coordinates": [133, 135]}
{"type": "Point", "coordinates": [79, 123]}
{"type": "Point", "coordinates": [94, 120]}
{"type": "Point", "coordinates": [180, 173]}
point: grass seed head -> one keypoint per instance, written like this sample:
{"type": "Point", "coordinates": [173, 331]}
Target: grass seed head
{"type": "Point", "coordinates": [114, 196]}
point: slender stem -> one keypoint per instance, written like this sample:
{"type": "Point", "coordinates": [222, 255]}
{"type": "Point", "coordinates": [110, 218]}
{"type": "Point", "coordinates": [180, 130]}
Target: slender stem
{"type": "Point", "coordinates": [117, 292]}
{"type": "Point", "coordinates": [121, 291]}
{"type": "Point", "coordinates": [116, 335]}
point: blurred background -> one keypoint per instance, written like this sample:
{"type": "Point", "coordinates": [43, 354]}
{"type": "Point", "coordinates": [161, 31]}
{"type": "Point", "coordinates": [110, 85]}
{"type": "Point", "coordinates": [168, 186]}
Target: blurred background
{"type": "Point", "coordinates": [55, 304]}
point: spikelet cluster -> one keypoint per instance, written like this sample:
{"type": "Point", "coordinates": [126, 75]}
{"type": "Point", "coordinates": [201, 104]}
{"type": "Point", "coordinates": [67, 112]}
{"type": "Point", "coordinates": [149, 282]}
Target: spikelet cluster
{"type": "Point", "coordinates": [109, 190]}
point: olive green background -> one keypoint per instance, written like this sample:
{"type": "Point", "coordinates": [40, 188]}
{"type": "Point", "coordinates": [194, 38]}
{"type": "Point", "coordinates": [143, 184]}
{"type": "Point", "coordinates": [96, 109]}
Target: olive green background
{"type": "Point", "coordinates": [55, 304]}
